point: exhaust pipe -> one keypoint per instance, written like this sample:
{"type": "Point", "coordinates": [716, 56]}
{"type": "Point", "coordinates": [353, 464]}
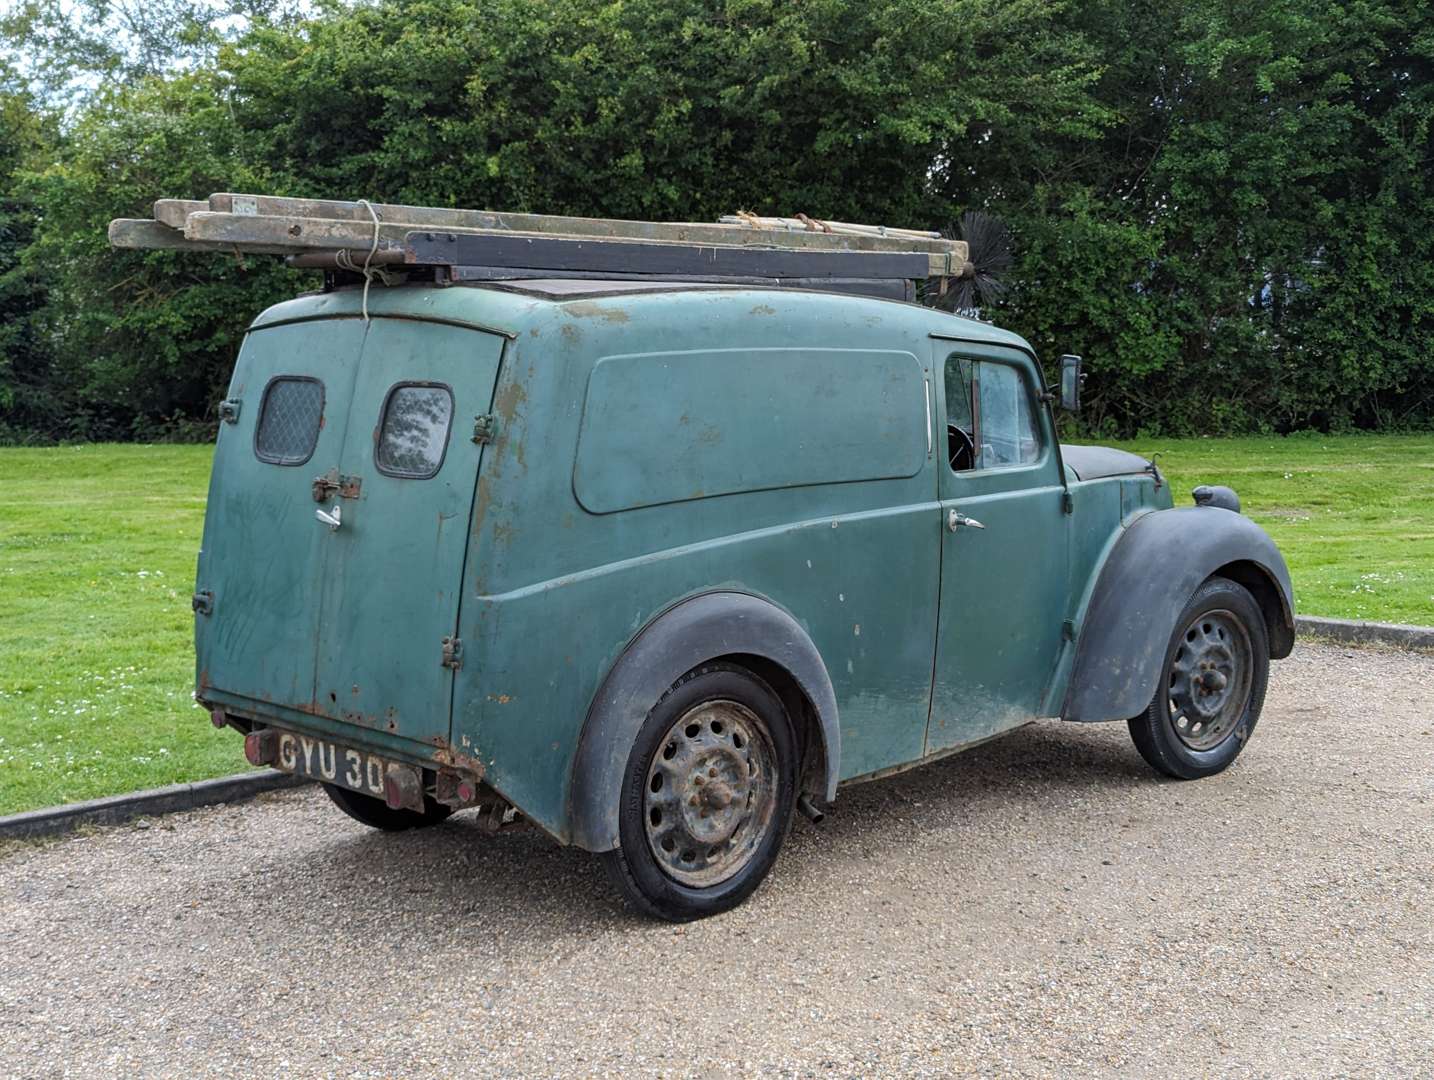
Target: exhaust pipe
{"type": "Point", "coordinates": [814, 814]}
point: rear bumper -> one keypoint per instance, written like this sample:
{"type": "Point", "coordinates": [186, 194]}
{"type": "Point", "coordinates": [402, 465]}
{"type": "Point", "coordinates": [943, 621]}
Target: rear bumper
{"type": "Point", "coordinates": [244, 715]}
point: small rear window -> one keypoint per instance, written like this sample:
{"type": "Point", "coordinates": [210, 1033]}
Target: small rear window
{"type": "Point", "coordinates": [289, 420]}
{"type": "Point", "coordinates": [414, 433]}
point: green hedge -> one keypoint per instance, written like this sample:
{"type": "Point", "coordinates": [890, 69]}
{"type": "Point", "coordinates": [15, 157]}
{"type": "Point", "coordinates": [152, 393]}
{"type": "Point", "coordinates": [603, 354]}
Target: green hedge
{"type": "Point", "coordinates": [1227, 209]}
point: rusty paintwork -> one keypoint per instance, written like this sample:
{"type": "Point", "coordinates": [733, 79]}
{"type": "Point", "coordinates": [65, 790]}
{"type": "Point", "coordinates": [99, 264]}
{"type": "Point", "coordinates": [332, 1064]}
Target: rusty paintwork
{"type": "Point", "coordinates": [448, 755]}
{"type": "Point", "coordinates": [621, 478]}
{"type": "Point", "coordinates": [333, 483]}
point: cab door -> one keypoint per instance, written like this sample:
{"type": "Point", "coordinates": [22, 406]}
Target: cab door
{"type": "Point", "coordinates": [1003, 560]}
{"type": "Point", "coordinates": [397, 537]}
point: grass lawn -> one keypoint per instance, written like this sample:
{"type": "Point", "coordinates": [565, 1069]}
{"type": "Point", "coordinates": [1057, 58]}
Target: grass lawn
{"type": "Point", "coordinates": [97, 548]}
{"type": "Point", "coordinates": [1354, 515]}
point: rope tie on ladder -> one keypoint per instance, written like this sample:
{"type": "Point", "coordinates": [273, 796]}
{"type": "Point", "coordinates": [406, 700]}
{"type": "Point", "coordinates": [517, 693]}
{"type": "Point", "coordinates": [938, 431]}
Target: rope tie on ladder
{"type": "Point", "coordinates": [346, 262]}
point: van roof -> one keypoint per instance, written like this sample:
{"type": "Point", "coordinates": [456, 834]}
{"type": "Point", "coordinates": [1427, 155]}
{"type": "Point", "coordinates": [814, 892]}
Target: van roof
{"type": "Point", "coordinates": [508, 307]}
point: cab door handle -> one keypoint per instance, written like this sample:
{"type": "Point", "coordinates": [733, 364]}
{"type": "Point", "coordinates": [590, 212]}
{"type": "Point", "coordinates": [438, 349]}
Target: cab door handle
{"type": "Point", "coordinates": [955, 520]}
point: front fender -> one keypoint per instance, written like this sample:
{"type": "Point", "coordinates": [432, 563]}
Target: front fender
{"type": "Point", "coordinates": [1146, 582]}
{"type": "Point", "coordinates": [693, 632]}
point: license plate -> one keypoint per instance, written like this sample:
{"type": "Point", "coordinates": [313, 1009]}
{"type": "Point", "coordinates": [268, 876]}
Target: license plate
{"type": "Point", "coordinates": [357, 770]}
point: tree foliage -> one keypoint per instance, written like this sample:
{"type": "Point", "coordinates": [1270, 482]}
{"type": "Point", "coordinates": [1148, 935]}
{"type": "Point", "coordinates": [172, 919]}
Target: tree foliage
{"type": "Point", "coordinates": [1249, 246]}
{"type": "Point", "coordinates": [1226, 210]}
{"type": "Point", "coordinates": [24, 356]}
{"type": "Point", "coordinates": [72, 49]}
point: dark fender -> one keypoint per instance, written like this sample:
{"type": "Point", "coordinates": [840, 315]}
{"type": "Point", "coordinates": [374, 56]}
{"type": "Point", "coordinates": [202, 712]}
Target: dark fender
{"type": "Point", "coordinates": [1148, 578]}
{"type": "Point", "coordinates": [683, 637]}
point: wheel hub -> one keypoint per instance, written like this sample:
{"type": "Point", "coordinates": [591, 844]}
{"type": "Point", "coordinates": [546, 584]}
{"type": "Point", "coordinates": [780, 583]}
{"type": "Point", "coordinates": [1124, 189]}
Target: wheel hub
{"type": "Point", "coordinates": [1209, 683]}
{"type": "Point", "coordinates": [710, 796]}
{"type": "Point", "coordinates": [715, 796]}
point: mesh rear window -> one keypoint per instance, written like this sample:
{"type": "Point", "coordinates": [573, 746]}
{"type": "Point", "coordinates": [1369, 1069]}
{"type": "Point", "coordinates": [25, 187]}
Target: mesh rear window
{"type": "Point", "coordinates": [289, 420]}
{"type": "Point", "coordinates": [415, 430]}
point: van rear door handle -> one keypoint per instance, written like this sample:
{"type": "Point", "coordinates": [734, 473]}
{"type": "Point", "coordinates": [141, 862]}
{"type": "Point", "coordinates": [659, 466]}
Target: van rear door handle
{"type": "Point", "coordinates": [955, 520]}
{"type": "Point", "coordinates": [333, 519]}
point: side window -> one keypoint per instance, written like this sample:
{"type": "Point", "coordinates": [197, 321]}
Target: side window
{"type": "Point", "coordinates": [990, 423]}
{"type": "Point", "coordinates": [960, 418]}
{"type": "Point", "coordinates": [289, 420]}
{"type": "Point", "coordinates": [413, 435]}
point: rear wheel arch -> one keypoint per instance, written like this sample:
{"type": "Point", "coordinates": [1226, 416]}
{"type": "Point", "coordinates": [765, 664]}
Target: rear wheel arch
{"type": "Point", "coordinates": [811, 742]}
{"type": "Point", "coordinates": [736, 628]}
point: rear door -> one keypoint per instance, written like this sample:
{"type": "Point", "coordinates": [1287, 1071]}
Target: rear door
{"type": "Point", "coordinates": [261, 567]}
{"type": "Point", "coordinates": [394, 565]}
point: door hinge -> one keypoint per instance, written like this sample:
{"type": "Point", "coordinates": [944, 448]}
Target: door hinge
{"type": "Point", "coordinates": [452, 653]}
{"type": "Point", "coordinates": [1068, 630]}
{"type": "Point", "coordinates": [229, 410]}
{"type": "Point", "coordinates": [1067, 503]}
{"type": "Point", "coordinates": [203, 602]}
{"type": "Point", "coordinates": [484, 428]}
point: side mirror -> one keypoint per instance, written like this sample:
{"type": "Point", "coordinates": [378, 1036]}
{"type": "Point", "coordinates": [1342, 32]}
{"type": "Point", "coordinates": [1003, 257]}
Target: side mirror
{"type": "Point", "coordinates": [1071, 379]}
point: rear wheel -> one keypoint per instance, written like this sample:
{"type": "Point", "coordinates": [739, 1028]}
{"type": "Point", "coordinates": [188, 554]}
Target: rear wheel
{"type": "Point", "coordinates": [707, 796]}
{"type": "Point", "coordinates": [377, 814]}
{"type": "Point", "coordinates": [1212, 685]}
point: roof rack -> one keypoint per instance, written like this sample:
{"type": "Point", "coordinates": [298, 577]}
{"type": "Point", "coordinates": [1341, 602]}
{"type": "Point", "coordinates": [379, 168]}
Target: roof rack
{"type": "Point", "coordinates": [347, 238]}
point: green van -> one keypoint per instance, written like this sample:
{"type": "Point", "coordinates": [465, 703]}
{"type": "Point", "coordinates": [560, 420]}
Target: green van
{"type": "Point", "coordinates": [651, 565]}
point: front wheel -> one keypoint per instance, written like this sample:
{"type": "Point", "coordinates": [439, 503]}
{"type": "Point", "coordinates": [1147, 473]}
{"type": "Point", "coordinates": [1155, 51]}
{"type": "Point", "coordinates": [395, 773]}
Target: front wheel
{"type": "Point", "coordinates": [1212, 685]}
{"type": "Point", "coordinates": [707, 796]}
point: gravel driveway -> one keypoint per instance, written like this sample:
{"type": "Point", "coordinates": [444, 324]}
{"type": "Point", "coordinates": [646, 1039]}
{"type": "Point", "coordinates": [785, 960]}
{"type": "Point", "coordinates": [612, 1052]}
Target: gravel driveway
{"type": "Point", "coordinates": [1039, 904]}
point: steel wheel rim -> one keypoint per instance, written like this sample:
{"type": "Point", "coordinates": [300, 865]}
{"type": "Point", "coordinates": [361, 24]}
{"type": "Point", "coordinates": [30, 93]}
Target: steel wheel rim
{"type": "Point", "coordinates": [710, 793]}
{"type": "Point", "coordinates": [1208, 682]}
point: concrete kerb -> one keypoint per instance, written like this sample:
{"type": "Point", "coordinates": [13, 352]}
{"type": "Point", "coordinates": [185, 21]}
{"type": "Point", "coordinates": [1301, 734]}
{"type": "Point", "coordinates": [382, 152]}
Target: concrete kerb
{"type": "Point", "coordinates": [1354, 632]}
{"type": "Point", "coordinates": [115, 809]}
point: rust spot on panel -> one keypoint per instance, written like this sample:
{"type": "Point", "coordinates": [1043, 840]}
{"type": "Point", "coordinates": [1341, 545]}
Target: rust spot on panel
{"type": "Point", "coordinates": [501, 699]}
{"type": "Point", "coordinates": [481, 500]}
{"type": "Point", "coordinates": [570, 334]}
{"type": "Point", "coordinates": [447, 754]}
{"type": "Point", "coordinates": [331, 482]}
{"type": "Point", "coordinates": [764, 309]}
{"type": "Point", "coordinates": [508, 399]}
{"type": "Point", "coordinates": [590, 309]}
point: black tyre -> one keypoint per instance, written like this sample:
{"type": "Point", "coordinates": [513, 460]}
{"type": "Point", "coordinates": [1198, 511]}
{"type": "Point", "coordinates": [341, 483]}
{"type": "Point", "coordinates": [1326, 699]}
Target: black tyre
{"type": "Point", "coordinates": [1212, 685]}
{"type": "Point", "coordinates": [377, 814]}
{"type": "Point", "coordinates": [707, 796]}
